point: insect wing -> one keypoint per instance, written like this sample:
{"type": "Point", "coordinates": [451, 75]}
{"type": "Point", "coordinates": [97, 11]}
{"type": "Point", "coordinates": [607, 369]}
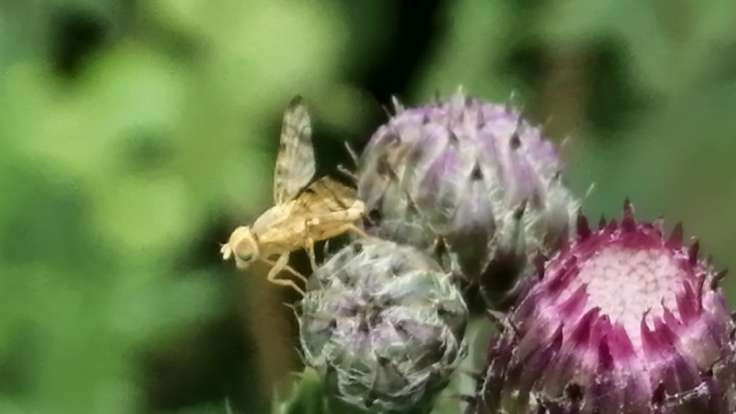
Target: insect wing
{"type": "Point", "coordinates": [295, 165]}
{"type": "Point", "coordinates": [324, 196]}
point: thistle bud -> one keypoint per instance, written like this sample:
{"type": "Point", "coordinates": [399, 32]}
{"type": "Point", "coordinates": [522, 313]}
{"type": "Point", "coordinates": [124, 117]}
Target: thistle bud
{"type": "Point", "coordinates": [622, 321]}
{"type": "Point", "coordinates": [476, 175]}
{"type": "Point", "coordinates": [383, 324]}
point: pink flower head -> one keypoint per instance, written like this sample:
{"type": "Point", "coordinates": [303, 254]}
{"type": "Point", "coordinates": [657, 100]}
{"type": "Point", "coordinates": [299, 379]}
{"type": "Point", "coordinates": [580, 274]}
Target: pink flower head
{"type": "Point", "coordinates": [621, 320]}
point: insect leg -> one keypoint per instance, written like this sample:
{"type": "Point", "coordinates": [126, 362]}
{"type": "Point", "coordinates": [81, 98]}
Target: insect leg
{"type": "Point", "coordinates": [342, 219]}
{"type": "Point", "coordinates": [310, 253]}
{"type": "Point", "coordinates": [348, 214]}
{"type": "Point", "coordinates": [278, 266]}
{"type": "Point", "coordinates": [348, 227]}
{"type": "Point", "coordinates": [357, 230]}
{"type": "Point", "coordinates": [309, 247]}
{"type": "Point", "coordinates": [288, 283]}
{"type": "Point", "coordinates": [356, 212]}
{"type": "Point", "coordinates": [309, 242]}
{"type": "Point", "coordinates": [287, 268]}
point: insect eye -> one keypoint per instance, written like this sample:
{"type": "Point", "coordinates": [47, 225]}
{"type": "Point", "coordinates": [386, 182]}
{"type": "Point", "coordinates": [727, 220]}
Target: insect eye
{"type": "Point", "coordinates": [246, 257]}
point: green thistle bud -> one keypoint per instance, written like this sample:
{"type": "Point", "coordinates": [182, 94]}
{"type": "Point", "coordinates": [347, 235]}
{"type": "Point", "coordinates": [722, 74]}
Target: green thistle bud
{"type": "Point", "coordinates": [383, 324]}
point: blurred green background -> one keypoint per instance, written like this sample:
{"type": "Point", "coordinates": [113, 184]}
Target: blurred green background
{"type": "Point", "coordinates": [134, 135]}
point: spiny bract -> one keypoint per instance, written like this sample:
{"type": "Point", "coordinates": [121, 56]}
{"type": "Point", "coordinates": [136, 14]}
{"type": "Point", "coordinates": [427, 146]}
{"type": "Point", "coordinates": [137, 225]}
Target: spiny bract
{"type": "Point", "coordinates": [475, 175]}
{"type": "Point", "coordinates": [383, 324]}
{"type": "Point", "coordinates": [623, 321]}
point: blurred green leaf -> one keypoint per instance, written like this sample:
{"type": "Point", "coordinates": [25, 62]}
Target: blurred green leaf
{"type": "Point", "coordinates": [123, 170]}
{"type": "Point", "coordinates": [476, 39]}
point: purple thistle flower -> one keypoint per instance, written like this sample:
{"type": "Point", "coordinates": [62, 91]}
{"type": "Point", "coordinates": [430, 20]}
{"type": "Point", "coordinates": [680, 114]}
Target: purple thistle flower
{"type": "Point", "coordinates": [474, 174]}
{"type": "Point", "coordinates": [623, 320]}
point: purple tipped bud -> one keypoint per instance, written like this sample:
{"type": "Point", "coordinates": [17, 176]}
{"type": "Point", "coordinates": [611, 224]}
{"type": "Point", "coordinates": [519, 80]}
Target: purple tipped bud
{"type": "Point", "coordinates": [383, 324]}
{"type": "Point", "coordinates": [475, 174]}
{"type": "Point", "coordinates": [625, 321]}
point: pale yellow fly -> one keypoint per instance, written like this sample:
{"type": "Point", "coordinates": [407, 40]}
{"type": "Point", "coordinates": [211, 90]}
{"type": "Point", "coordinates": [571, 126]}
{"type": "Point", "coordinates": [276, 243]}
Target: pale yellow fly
{"type": "Point", "coordinates": [302, 214]}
